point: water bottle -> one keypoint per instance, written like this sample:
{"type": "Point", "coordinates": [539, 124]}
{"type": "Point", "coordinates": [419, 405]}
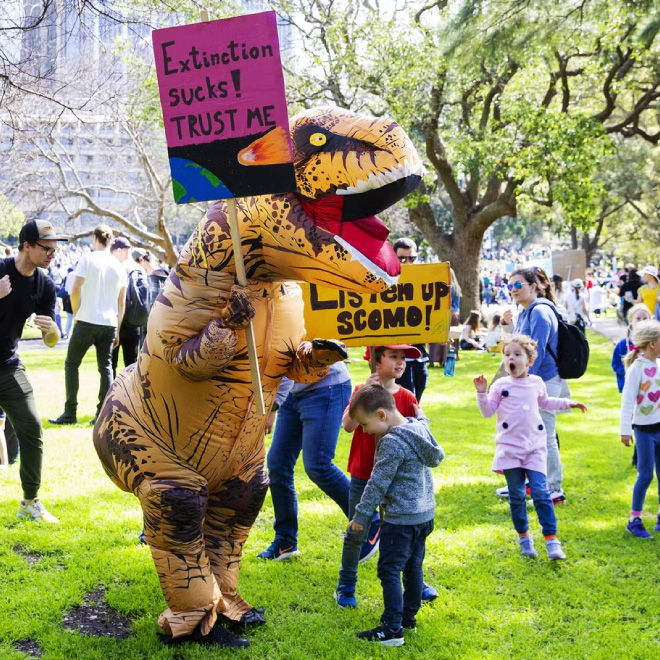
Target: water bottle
{"type": "Point", "coordinates": [450, 362]}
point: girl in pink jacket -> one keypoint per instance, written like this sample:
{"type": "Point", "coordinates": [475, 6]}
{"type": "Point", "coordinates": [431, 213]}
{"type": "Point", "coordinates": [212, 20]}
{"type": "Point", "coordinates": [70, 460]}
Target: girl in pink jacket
{"type": "Point", "coordinates": [521, 443]}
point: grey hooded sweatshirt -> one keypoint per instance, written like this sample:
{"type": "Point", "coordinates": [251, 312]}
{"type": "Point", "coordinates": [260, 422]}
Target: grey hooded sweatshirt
{"type": "Point", "coordinates": [401, 479]}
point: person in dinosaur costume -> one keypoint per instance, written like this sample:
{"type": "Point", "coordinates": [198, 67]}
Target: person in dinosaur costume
{"type": "Point", "coordinates": [179, 429]}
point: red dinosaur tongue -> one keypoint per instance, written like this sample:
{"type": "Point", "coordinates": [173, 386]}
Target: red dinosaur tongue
{"type": "Point", "coordinates": [367, 235]}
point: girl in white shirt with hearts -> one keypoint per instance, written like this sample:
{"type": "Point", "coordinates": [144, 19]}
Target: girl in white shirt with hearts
{"type": "Point", "coordinates": [640, 412]}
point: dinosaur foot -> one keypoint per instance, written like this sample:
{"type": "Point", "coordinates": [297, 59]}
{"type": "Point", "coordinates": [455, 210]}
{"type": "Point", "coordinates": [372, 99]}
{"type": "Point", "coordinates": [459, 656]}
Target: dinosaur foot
{"type": "Point", "coordinates": [219, 636]}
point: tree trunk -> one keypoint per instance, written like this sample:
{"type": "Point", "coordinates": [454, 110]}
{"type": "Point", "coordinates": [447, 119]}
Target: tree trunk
{"type": "Point", "coordinates": [461, 249]}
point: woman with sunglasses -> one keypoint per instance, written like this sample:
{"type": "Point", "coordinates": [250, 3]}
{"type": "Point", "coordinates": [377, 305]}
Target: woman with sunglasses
{"type": "Point", "coordinates": [531, 289]}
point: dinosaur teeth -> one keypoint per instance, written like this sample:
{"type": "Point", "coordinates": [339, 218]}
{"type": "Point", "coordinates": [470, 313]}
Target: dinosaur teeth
{"type": "Point", "coordinates": [370, 265]}
{"type": "Point", "coordinates": [375, 181]}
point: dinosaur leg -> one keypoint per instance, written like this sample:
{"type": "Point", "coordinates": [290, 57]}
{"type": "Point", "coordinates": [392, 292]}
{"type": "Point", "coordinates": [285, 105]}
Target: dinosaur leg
{"type": "Point", "coordinates": [173, 514]}
{"type": "Point", "coordinates": [230, 515]}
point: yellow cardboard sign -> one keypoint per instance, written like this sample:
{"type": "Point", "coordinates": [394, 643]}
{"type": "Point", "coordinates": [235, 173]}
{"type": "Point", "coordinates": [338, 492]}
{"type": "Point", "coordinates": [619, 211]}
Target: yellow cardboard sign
{"type": "Point", "coordinates": [413, 311]}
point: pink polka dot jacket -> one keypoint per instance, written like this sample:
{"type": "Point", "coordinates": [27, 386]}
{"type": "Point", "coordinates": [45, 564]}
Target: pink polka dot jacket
{"type": "Point", "coordinates": [521, 437]}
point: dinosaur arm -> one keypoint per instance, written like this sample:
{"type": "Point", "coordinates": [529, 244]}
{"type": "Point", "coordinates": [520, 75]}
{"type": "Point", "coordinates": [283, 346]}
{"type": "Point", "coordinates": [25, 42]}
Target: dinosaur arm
{"type": "Point", "coordinates": [201, 357]}
{"type": "Point", "coordinates": [314, 359]}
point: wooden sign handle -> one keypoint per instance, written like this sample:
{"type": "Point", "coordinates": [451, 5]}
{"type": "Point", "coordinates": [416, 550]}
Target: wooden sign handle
{"type": "Point", "coordinates": [242, 280]}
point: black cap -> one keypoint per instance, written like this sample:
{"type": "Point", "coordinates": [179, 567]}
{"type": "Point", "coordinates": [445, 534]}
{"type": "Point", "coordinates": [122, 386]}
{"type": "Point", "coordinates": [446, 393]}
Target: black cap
{"type": "Point", "coordinates": [39, 230]}
{"type": "Point", "coordinates": [118, 243]}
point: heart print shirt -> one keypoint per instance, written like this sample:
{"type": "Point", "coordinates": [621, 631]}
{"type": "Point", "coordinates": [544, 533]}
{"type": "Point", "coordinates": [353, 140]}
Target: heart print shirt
{"type": "Point", "coordinates": [641, 396]}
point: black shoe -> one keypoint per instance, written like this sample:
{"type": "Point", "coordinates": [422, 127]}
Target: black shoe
{"type": "Point", "coordinates": [383, 635]}
{"type": "Point", "coordinates": [219, 636]}
{"type": "Point", "coordinates": [64, 419]}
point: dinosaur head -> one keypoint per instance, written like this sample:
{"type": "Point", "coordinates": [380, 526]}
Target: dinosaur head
{"type": "Point", "coordinates": [348, 168]}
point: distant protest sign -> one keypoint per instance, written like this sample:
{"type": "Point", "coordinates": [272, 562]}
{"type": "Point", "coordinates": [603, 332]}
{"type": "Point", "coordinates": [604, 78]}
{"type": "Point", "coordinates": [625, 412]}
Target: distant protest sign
{"type": "Point", "coordinates": [413, 311]}
{"type": "Point", "coordinates": [224, 108]}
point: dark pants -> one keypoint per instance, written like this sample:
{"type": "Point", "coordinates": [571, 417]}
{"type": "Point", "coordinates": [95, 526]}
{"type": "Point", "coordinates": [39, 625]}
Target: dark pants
{"type": "Point", "coordinates": [18, 402]}
{"type": "Point", "coordinates": [415, 378]}
{"type": "Point", "coordinates": [545, 509]}
{"type": "Point", "coordinates": [84, 336]}
{"type": "Point", "coordinates": [402, 550]}
{"type": "Point", "coordinates": [307, 421]}
{"type": "Point", "coordinates": [129, 342]}
{"type": "Point", "coordinates": [353, 539]}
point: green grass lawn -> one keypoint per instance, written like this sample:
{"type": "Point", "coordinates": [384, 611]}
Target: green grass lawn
{"type": "Point", "coordinates": [602, 603]}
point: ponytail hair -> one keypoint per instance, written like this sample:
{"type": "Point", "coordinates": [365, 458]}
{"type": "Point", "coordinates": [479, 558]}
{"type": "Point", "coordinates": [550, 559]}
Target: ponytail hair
{"type": "Point", "coordinates": [643, 334]}
{"type": "Point", "coordinates": [104, 234]}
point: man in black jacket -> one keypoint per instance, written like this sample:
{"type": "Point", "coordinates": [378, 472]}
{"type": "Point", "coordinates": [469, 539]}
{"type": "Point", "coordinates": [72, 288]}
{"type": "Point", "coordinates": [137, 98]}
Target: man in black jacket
{"type": "Point", "coordinates": [24, 291]}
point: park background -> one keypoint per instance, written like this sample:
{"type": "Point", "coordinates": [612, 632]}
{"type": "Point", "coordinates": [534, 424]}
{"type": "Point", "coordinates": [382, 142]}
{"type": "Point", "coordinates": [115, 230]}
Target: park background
{"type": "Point", "coordinates": [537, 120]}
{"type": "Point", "coordinates": [601, 603]}
{"type": "Point", "coordinates": [538, 123]}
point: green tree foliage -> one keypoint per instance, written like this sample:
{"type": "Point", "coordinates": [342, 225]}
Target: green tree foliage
{"type": "Point", "coordinates": [509, 100]}
{"type": "Point", "coordinates": [11, 219]}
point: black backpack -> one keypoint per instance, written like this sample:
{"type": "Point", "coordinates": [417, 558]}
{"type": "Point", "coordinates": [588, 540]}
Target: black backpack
{"type": "Point", "coordinates": [137, 299]}
{"type": "Point", "coordinates": [572, 349]}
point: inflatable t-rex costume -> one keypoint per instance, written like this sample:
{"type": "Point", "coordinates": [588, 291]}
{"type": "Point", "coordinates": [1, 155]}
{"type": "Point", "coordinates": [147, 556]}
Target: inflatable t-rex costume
{"type": "Point", "coordinates": [179, 428]}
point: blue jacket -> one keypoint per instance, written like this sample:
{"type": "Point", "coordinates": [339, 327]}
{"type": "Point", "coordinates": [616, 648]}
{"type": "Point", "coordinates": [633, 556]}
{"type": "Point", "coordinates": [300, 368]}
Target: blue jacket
{"type": "Point", "coordinates": [619, 353]}
{"type": "Point", "coordinates": [539, 322]}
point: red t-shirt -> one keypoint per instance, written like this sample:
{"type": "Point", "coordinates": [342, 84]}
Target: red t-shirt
{"type": "Point", "coordinates": [363, 445]}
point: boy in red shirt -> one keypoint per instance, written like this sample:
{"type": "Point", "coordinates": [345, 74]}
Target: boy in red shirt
{"type": "Point", "coordinates": [389, 363]}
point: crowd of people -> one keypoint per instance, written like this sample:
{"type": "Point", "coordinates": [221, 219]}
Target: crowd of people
{"type": "Point", "coordinates": [388, 500]}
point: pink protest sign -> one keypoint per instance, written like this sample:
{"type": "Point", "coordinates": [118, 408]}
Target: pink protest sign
{"type": "Point", "coordinates": [224, 108]}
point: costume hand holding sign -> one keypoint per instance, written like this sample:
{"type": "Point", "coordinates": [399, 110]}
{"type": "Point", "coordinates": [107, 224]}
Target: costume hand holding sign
{"type": "Point", "coordinates": [179, 429]}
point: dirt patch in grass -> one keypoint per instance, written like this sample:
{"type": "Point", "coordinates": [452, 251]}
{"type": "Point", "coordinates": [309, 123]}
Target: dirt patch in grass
{"type": "Point", "coordinates": [30, 647]}
{"type": "Point", "coordinates": [96, 617]}
{"type": "Point", "coordinates": [31, 557]}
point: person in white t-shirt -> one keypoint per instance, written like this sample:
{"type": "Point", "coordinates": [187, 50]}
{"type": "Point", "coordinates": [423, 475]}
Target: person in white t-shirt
{"type": "Point", "coordinates": [97, 297]}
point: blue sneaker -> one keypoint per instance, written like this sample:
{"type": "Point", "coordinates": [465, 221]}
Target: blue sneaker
{"type": "Point", "coordinates": [280, 549]}
{"type": "Point", "coordinates": [527, 546]}
{"type": "Point", "coordinates": [555, 552]}
{"type": "Point", "coordinates": [371, 545]}
{"type": "Point", "coordinates": [636, 528]}
{"type": "Point", "coordinates": [345, 595]}
{"type": "Point", "coordinates": [428, 593]}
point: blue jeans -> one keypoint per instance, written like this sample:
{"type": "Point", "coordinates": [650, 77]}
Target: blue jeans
{"type": "Point", "coordinates": [353, 540]}
{"type": "Point", "coordinates": [402, 549]}
{"type": "Point", "coordinates": [545, 509]}
{"type": "Point", "coordinates": [415, 378]}
{"type": "Point", "coordinates": [307, 421]}
{"type": "Point", "coordinates": [648, 455]}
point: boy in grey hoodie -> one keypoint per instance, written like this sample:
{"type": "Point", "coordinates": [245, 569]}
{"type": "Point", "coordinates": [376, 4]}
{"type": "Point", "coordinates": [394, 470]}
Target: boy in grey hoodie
{"type": "Point", "coordinates": [401, 481]}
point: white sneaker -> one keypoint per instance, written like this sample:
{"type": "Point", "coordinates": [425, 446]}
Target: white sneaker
{"type": "Point", "coordinates": [36, 512]}
{"type": "Point", "coordinates": [502, 492]}
{"type": "Point", "coordinates": [558, 497]}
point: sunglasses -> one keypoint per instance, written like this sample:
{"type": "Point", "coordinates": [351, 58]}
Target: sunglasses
{"type": "Point", "coordinates": [49, 251]}
{"type": "Point", "coordinates": [412, 260]}
{"type": "Point", "coordinates": [516, 286]}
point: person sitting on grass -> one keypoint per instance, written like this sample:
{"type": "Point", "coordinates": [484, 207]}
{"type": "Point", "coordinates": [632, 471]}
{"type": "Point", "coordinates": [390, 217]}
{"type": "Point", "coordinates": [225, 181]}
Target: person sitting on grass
{"type": "Point", "coordinates": [470, 335]}
{"type": "Point", "coordinates": [639, 412]}
{"type": "Point", "coordinates": [521, 446]}
{"type": "Point", "coordinates": [389, 364]}
{"type": "Point", "coordinates": [402, 483]}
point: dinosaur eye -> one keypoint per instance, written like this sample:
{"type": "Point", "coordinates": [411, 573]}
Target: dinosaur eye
{"type": "Point", "coordinates": [317, 139]}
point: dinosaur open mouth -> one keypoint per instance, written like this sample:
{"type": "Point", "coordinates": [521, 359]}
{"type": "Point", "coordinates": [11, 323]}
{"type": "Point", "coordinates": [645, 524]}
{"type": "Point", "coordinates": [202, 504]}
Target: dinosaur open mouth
{"type": "Point", "coordinates": [364, 238]}
{"type": "Point", "coordinates": [381, 179]}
